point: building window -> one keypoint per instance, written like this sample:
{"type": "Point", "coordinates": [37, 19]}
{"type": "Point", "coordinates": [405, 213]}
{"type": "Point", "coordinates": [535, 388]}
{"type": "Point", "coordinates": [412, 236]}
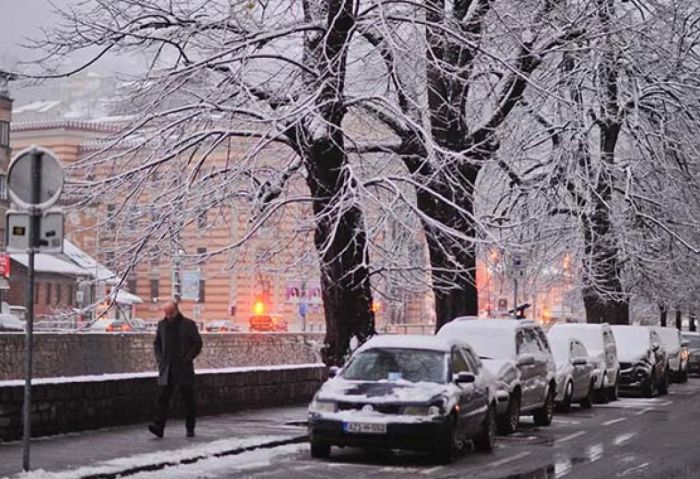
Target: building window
{"type": "Point", "coordinates": [71, 294]}
{"type": "Point", "coordinates": [48, 293]}
{"type": "Point", "coordinates": [202, 219]}
{"type": "Point", "coordinates": [201, 291]}
{"type": "Point", "coordinates": [4, 134]}
{"type": "Point", "coordinates": [201, 253]}
{"type": "Point", "coordinates": [110, 216]}
{"type": "Point", "coordinates": [132, 283]}
{"type": "Point", "coordinates": [155, 289]}
{"type": "Point", "coordinates": [36, 292]}
{"type": "Point", "coordinates": [3, 187]}
{"type": "Point", "coordinates": [58, 293]}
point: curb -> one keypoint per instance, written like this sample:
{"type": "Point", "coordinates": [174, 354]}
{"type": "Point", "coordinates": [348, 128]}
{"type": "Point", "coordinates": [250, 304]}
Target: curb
{"type": "Point", "coordinates": [191, 460]}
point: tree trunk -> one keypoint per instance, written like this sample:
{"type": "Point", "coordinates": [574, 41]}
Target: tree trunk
{"type": "Point", "coordinates": [342, 245]}
{"type": "Point", "coordinates": [664, 315]}
{"type": "Point", "coordinates": [600, 310]}
{"type": "Point", "coordinates": [691, 323]}
{"type": "Point", "coordinates": [452, 256]}
{"type": "Point", "coordinates": [679, 320]}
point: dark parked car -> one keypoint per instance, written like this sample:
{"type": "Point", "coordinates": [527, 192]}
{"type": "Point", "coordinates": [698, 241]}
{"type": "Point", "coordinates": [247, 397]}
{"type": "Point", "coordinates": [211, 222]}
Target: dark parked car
{"type": "Point", "coordinates": [643, 362]}
{"type": "Point", "coordinates": [524, 344]}
{"type": "Point", "coordinates": [406, 392]}
{"type": "Point", "coordinates": [676, 352]}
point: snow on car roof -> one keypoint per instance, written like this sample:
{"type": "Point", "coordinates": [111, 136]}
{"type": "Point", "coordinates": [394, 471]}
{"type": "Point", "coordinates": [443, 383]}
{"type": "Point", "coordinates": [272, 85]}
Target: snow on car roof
{"type": "Point", "coordinates": [578, 326]}
{"type": "Point", "coordinates": [410, 341]}
{"type": "Point", "coordinates": [469, 321]}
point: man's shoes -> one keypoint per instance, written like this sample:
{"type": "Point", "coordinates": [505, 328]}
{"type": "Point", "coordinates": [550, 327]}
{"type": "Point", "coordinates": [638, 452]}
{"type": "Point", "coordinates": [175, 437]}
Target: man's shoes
{"type": "Point", "coordinates": [156, 430]}
{"type": "Point", "coordinates": [190, 433]}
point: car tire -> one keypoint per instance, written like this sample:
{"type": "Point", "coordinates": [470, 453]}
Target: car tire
{"type": "Point", "coordinates": [446, 448]}
{"type": "Point", "coordinates": [508, 423]}
{"type": "Point", "coordinates": [649, 389]}
{"type": "Point", "coordinates": [543, 416]}
{"type": "Point", "coordinates": [614, 391]}
{"type": "Point", "coordinates": [568, 397]}
{"type": "Point", "coordinates": [663, 384]}
{"type": "Point", "coordinates": [320, 450]}
{"type": "Point", "coordinates": [486, 440]}
{"type": "Point", "coordinates": [587, 402]}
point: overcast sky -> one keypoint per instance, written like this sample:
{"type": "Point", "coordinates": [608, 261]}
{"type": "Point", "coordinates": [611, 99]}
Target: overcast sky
{"type": "Point", "coordinates": [19, 19]}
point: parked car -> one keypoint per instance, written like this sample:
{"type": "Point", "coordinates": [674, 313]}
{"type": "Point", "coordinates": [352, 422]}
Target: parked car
{"type": "Point", "coordinates": [643, 363]}
{"type": "Point", "coordinates": [267, 322]}
{"type": "Point", "coordinates": [106, 325]}
{"type": "Point", "coordinates": [221, 326]}
{"type": "Point", "coordinates": [406, 392]}
{"type": "Point", "coordinates": [602, 348]}
{"type": "Point", "coordinates": [525, 346]}
{"type": "Point", "coordinates": [676, 352]}
{"type": "Point", "coordinates": [693, 340]}
{"type": "Point", "coordinates": [575, 382]}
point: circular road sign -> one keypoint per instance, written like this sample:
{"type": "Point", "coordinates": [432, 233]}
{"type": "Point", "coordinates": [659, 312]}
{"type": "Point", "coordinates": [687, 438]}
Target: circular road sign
{"type": "Point", "coordinates": [19, 178]}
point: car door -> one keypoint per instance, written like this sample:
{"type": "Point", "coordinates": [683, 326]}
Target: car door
{"type": "Point", "coordinates": [581, 371]}
{"type": "Point", "coordinates": [481, 386]}
{"type": "Point", "coordinates": [467, 404]}
{"type": "Point", "coordinates": [540, 372]}
{"type": "Point", "coordinates": [527, 372]}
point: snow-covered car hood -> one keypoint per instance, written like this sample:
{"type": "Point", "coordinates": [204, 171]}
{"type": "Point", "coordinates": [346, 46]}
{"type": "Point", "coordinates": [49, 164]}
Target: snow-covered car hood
{"type": "Point", "coordinates": [378, 392]}
{"type": "Point", "coordinates": [632, 358]}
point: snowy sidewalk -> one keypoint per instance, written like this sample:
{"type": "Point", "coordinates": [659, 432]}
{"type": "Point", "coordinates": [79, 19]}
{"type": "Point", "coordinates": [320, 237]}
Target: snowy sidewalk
{"type": "Point", "coordinates": [106, 452]}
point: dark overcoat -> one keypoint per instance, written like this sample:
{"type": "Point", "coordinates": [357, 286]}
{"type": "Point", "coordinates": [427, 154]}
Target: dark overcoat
{"type": "Point", "coordinates": [176, 345]}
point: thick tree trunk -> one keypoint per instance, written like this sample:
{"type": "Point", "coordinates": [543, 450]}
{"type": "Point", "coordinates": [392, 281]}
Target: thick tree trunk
{"type": "Point", "coordinates": [342, 245]}
{"type": "Point", "coordinates": [601, 310]}
{"type": "Point", "coordinates": [679, 320]}
{"type": "Point", "coordinates": [691, 323]}
{"type": "Point", "coordinates": [663, 315]}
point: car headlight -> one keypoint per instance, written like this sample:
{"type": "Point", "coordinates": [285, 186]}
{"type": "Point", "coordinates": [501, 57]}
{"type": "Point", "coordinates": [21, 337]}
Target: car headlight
{"type": "Point", "coordinates": [317, 406]}
{"type": "Point", "coordinates": [422, 410]}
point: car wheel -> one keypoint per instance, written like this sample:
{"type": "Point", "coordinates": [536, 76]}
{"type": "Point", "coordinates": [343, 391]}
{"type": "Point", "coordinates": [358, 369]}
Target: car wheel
{"type": "Point", "coordinates": [508, 423]}
{"type": "Point", "coordinates": [543, 416]}
{"type": "Point", "coordinates": [320, 450]}
{"type": "Point", "coordinates": [587, 402]}
{"type": "Point", "coordinates": [663, 385]}
{"type": "Point", "coordinates": [486, 440]}
{"type": "Point", "coordinates": [568, 396]}
{"type": "Point", "coordinates": [649, 389]}
{"type": "Point", "coordinates": [614, 391]}
{"type": "Point", "coordinates": [446, 448]}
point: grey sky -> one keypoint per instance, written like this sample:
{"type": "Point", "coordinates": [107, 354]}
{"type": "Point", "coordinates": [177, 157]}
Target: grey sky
{"type": "Point", "coordinates": [20, 19]}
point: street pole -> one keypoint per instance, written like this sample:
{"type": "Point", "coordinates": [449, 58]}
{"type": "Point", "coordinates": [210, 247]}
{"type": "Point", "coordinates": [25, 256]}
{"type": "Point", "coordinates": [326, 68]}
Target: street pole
{"type": "Point", "coordinates": [515, 295]}
{"type": "Point", "coordinates": [34, 225]}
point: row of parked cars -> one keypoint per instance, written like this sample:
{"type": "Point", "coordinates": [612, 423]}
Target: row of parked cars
{"type": "Point", "coordinates": [475, 378]}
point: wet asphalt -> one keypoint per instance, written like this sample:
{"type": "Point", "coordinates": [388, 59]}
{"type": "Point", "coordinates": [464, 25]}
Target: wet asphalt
{"type": "Point", "coordinates": [631, 438]}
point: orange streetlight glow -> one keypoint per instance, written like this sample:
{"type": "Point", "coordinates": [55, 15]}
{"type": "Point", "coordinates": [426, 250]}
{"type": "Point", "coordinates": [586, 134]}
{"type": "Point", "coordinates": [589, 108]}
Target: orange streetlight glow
{"type": "Point", "coordinates": [258, 307]}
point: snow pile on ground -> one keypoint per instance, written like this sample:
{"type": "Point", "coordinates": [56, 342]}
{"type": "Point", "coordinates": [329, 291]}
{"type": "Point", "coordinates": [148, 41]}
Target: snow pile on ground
{"type": "Point", "coordinates": [140, 460]}
{"type": "Point", "coordinates": [225, 466]}
{"type": "Point", "coordinates": [153, 374]}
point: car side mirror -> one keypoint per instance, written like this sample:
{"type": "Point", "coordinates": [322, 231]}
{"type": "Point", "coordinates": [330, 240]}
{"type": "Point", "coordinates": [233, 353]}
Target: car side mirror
{"type": "Point", "coordinates": [333, 371]}
{"type": "Point", "coordinates": [580, 361]}
{"type": "Point", "coordinates": [526, 360]}
{"type": "Point", "coordinates": [464, 378]}
{"type": "Point", "coordinates": [655, 347]}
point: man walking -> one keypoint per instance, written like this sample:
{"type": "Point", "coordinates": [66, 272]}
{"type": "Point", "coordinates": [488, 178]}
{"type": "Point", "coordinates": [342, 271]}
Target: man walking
{"type": "Point", "coordinates": [176, 345]}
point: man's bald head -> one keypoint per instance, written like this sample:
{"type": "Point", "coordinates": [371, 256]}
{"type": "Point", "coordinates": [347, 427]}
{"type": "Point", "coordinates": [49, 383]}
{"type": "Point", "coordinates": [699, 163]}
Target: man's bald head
{"type": "Point", "coordinates": [170, 310]}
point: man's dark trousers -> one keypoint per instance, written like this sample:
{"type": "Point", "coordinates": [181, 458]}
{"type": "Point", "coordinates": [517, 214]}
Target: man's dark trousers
{"type": "Point", "coordinates": [164, 396]}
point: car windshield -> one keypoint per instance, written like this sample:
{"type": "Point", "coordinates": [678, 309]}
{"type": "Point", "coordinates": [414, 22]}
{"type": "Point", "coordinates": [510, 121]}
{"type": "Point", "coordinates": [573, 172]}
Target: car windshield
{"type": "Point", "coordinates": [669, 338]}
{"type": "Point", "coordinates": [560, 351]}
{"type": "Point", "coordinates": [413, 365]}
{"type": "Point", "coordinates": [631, 341]}
{"type": "Point", "coordinates": [693, 341]}
{"type": "Point", "coordinates": [592, 338]}
{"type": "Point", "coordinates": [491, 344]}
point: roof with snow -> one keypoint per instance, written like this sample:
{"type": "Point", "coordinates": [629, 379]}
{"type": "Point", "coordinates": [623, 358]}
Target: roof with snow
{"type": "Point", "coordinates": [87, 262]}
{"type": "Point", "coordinates": [47, 263]}
{"type": "Point", "coordinates": [410, 341]}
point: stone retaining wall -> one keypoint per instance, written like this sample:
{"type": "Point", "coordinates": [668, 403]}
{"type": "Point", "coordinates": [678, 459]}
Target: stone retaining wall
{"type": "Point", "coordinates": [61, 406]}
{"type": "Point", "coordinates": [77, 354]}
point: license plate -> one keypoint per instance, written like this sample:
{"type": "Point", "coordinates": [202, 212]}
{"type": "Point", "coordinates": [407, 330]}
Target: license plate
{"type": "Point", "coordinates": [364, 428]}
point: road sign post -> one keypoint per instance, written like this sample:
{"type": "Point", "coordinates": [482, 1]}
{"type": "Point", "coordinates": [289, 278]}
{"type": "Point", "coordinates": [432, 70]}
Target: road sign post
{"type": "Point", "coordinates": [34, 181]}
